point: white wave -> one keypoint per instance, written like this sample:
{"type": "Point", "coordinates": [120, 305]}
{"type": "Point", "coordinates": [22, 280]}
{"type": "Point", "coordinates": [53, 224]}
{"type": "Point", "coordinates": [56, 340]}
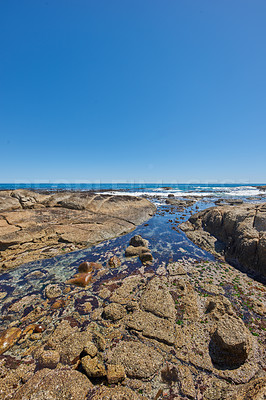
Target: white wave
{"type": "Point", "coordinates": [241, 191]}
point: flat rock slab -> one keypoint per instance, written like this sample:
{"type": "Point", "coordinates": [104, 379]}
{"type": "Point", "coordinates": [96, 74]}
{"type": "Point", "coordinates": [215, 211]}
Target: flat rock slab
{"type": "Point", "coordinates": [34, 226]}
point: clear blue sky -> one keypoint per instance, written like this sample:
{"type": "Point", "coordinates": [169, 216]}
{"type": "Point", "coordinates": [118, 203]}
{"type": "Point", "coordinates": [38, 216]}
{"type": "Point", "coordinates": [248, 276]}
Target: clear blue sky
{"type": "Point", "coordinates": [124, 90]}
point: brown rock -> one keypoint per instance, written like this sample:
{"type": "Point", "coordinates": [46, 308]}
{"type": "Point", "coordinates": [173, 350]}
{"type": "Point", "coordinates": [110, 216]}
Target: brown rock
{"type": "Point", "coordinates": [85, 267]}
{"type": "Point", "coordinates": [90, 349]}
{"type": "Point", "coordinates": [115, 373]}
{"type": "Point", "coordinates": [53, 224]}
{"type": "Point", "coordinates": [238, 232]}
{"type": "Point", "coordinates": [8, 338]}
{"type": "Point", "coordinates": [145, 257]}
{"type": "Point", "coordinates": [114, 311]}
{"type": "Point", "coordinates": [58, 384]}
{"type": "Point", "coordinates": [230, 344]}
{"type": "Point", "coordinates": [52, 291]}
{"type": "Point", "coordinates": [139, 360]}
{"type": "Point", "coordinates": [117, 393]}
{"type": "Point", "coordinates": [92, 367]}
{"type": "Point", "coordinates": [186, 382]}
{"type": "Point", "coordinates": [48, 359]}
{"type": "Point", "coordinates": [81, 279]}
{"type": "Point", "coordinates": [151, 326]}
{"type": "Point", "coordinates": [132, 251]}
{"type": "Point", "coordinates": [114, 262]}
{"type": "Point", "coordinates": [157, 299]}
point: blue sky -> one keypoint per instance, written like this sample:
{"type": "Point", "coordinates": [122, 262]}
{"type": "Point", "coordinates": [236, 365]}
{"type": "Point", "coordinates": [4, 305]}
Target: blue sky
{"type": "Point", "coordinates": [132, 90]}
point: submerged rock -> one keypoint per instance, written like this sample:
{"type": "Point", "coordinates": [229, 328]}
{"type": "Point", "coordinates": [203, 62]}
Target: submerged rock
{"type": "Point", "coordinates": [114, 262]}
{"type": "Point", "coordinates": [8, 338]}
{"type": "Point", "coordinates": [81, 279]}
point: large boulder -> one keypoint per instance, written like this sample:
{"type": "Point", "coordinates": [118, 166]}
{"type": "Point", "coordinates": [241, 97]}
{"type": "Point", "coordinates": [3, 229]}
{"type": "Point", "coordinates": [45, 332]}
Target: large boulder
{"type": "Point", "coordinates": [237, 232]}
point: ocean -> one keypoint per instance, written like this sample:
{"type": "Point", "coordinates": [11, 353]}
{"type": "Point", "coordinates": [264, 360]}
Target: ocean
{"type": "Point", "coordinates": [152, 190]}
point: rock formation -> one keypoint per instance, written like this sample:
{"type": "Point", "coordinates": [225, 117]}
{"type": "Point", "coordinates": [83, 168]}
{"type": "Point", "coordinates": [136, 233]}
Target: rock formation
{"type": "Point", "coordinates": [237, 232]}
{"type": "Point", "coordinates": [35, 226]}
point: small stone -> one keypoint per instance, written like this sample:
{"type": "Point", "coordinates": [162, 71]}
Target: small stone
{"type": "Point", "coordinates": [90, 349]}
{"type": "Point", "coordinates": [132, 251]}
{"type": "Point", "coordinates": [59, 303]}
{"type": "Point", "coordinates": [114, 262]}
{"type": "Point", "coordinates": [92, 367]}
{"type": "Point", "coordinates": [48, 359]}
{"type": "Point", "coordinates": [145, 257]}
{"type": "Point", "coordinates": [39, 328]}
{"type": "Point", "coordinates": [36, 336]}
{"type": "Point", "coordinates": [114, 311]}
{"type": "Point", "coordinates": [115, 373]}
{"type": "Point", "coordinates": [137, 241]}
{"type": "Point", "coordinates": [85, 267]}
{"type": "Point", "coordinates": [8, 338]}
{"type": "Point", "coordinates": [52, 291]}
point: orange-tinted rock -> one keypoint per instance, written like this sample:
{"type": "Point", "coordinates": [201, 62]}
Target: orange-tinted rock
{"type": "Point", "coordinates": [8, 338]}
{"type": "Point", "coordinates": [39, 328]}
{"type": "Point", "coordinates": [82, 279]}
{"type": "Point", "coordinates": [85, 267]}
{"type": "Point", "coordinates": [60, 303]}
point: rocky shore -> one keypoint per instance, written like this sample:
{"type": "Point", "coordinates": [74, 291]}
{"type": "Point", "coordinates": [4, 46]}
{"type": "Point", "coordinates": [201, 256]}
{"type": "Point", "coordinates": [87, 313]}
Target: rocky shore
{"type": "Point", "coordinates": [35, 226]}
{"type": "Point", "coordinates": [236, 232]}
{"type": "Point", "coordinates": [187, 330]}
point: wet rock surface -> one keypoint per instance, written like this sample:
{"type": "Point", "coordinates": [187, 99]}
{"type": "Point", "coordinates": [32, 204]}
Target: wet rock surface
{"type": "Point", "coordinates": [237, 232]}
{"type": "Point", "coordinates": [34, 226]}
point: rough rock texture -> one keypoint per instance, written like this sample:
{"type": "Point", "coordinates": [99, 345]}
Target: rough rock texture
{"type": "Point", "coordinates": [93, 367]}
{"type": "Point", "coordinates": [229, 345]}
{"type": "Point", "coordinates": [114, 311]}
{"type": "Point", "coordinates": [34, 226]}
{"type": "Point", "coordinates": [180, 204]}
{"type": "Point", "coordinates": [118, 393]}
{"type": "Point", "coordinates": [139, 360]}
{"type": "Point", "coordinates": [62, 384]}
{"type": "Point", "coordinates": [238, 232]}
{"type": "Point", "coordinates": [168, 337]}
{"type": "Point", "coordinates": [115, 373]}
